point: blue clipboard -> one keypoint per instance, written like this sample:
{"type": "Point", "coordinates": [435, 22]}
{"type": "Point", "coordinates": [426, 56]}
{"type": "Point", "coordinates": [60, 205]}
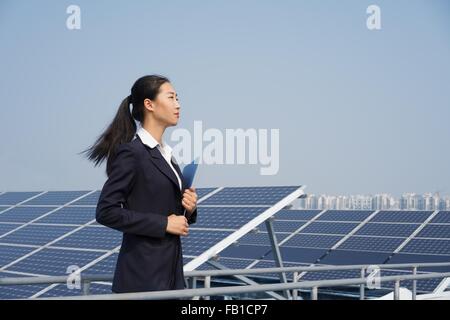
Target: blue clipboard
{"type": "Point", "coordinates": [189, 175]}
{"type": "Point", "coordinates": [189, 172]}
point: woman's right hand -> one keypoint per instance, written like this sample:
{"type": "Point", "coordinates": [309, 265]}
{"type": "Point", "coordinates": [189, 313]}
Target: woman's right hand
{"type": "Point", "coordinates": [177, 225]}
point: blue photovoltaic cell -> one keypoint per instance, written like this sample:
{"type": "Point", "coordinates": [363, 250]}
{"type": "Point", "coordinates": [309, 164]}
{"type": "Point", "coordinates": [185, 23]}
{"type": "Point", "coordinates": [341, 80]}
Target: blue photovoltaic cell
{"type": "Point", "coordinates": [9, 198]}
{"type": "Point", "coordinates": [381, 244]}
{"type": "Point", "coordinates": [24, 214]}
{"type": "Point", "coordinates": [346, 257]}
{"type": "Point", "coordinates": [344, 215]}
{"type": "Point", "coordinates": [245, 251]}
{"type": "Point", "coordinates": [441, 217]}
{"type": "Point", "coordinates": [199, 241]}
{"type": "Point", "coordinates": [250, 195]}
{"type": "Point", "coordinates": [35, 234]}
{"type": "Point", "coordinates": [298, 255]}
{"type": "Point", "coordinates": [422, 258]}
{"type": "Point", "coordinates": [435, 231]}
{"type": "Point", "coordinates": [54, 262]}
{"type": "Point", "coordinates": [271, 264]}
{"type": "Point", "coordinates": [401, 216]}
{"type": "Point", "coordinates": [201, 192]}
{"type": "Point", "coordinates": [19, 291]}
{"type": "Point", "coordinates": [101, 238]}
{"type": "Point", "coordinates": [227, 217]}
{"type": "Point", "coordinates": [9, 254]}
{"type": "Point", "coordinates": [423, 286]}
{"type": "Point", "coordinates": [260, 238]}
{"type": "Point", "coordinates": [228, 263]}
{"type": "Point", "coordinates": [186, 260]}
{"type": "Point", "coordinates": [283, 226]}
{"type": "Point", "coordinates": [427, 246]}
{"type": "Point", "coordinates": [6, 227]}
{"type": "Point", "coordinates": [312, 241]}
{"type": "Point", "coordinates": [61, 290]}
{"type": "Point", "coordinates": [387, 229]}
{"type": "Point", "coordinates": [88, 200]}
{"type": "Point", "coordinates": [330, 227]}
{"type": "Point", "coordinates": [56, 198]}
{"type": "Point", "coordinates": [331, 275]}
{"type": "Point", "coordinates": [105, 266]}
{"type": "Point", "coordinates": [303, 215]}
{"type": "Point", "coordinates": [70, 215]}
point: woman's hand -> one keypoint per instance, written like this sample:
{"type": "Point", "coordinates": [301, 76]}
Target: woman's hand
{"type": "Point", "coordinates": [177, 225]}
{"type": "Point", "coordinates": [189, 200]}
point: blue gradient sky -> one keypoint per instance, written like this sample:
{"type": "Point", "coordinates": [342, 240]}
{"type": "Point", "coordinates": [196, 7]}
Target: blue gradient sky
{"type": "Point", "coordinates": [359, 111]}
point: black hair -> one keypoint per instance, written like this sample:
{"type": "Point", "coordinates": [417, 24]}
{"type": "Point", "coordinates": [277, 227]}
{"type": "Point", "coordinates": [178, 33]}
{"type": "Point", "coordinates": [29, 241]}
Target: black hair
{"type": "Point", "coordinates": [123, 127]}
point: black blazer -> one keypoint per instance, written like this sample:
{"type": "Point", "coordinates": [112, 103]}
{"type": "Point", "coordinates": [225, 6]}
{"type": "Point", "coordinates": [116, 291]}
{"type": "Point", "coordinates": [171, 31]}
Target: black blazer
{"type": "Point", "coordinates": [139, 194]}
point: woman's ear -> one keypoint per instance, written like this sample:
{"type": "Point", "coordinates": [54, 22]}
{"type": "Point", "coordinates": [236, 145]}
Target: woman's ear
{"type": "Point", "coordinates": [148, 104]}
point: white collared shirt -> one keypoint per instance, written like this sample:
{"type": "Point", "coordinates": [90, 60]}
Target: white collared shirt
{"type": "Point", "coordinates": [165, 149]}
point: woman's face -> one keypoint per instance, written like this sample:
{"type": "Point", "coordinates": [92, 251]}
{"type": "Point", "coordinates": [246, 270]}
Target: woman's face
{"type": "Point", "coordinates": [165, 107]}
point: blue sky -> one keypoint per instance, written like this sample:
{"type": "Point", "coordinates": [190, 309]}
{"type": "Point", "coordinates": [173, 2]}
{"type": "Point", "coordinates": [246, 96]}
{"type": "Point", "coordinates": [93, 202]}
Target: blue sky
{"type": "Point", "coordinates": [359, 111]}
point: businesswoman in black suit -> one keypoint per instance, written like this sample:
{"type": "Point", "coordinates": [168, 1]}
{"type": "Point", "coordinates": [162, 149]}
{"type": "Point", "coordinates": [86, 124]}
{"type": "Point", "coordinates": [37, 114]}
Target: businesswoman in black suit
{"type": "Point", "coordinates": [145, 194]}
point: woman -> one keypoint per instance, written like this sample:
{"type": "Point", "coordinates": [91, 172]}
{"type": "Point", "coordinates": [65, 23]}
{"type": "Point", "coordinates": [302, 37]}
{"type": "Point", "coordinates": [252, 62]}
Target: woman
{"type": "Point", "coordinates": [145, 196]}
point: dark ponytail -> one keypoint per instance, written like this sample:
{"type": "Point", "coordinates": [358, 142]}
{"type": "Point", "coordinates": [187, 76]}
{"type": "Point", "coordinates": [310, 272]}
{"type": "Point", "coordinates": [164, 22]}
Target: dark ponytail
{"type": "Point", "coordinates": [123, 128]}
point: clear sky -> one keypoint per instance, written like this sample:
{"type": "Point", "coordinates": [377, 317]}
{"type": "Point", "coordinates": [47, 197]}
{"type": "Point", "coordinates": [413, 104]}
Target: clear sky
{"type": "Point", "coordinates": [358, 111]}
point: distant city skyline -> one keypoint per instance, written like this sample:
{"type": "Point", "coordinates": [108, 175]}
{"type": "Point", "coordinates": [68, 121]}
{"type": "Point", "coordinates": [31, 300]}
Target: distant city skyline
{"type": "Point", "coordinates": [382, 201]}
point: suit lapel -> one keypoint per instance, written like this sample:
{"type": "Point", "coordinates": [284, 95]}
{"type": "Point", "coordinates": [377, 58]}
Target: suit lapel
{"type": "Point", "coordinates": [158, 160]}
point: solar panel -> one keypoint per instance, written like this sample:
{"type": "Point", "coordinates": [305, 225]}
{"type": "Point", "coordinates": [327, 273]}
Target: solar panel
{"type": "Point", "coordinates": [23, 214]}
{"type": "Point", "coordinates": [427, 246]}
{"type": "Point", "coordinates": [330, 227]}
{"type": "Point", "coordinates": [201, 192]}
{"type": "Point", "coordinates": [441, 217]}
{"type": "Point", "coordinates": [247, 251]}
{"type": "Point", "coordinates": [249, 195]}
{"type": "Point", "coordinates": [312, 241]}
{"type": "Point", "coordinates": [387, 229]}
{"type": "Point", "coordinates": [283, 226]}
{"type": "Point", "coordinates": [199, 241]}
{"type": "Point", "coordinates": [70, 215]}
{"type": "Point", "coordinates": [92, 238]}
{"type": "Point", "coordinates": [55, 198]}
{"type": "Point", "coordinates": [301, 215]}
{"type": "Point", "coordinates": [61, 290]}
{"type": "Point", "coordinates": [35, 234]}
{"type": "Point", "coordinates": [53, 261]}
{"type": "Point", "coordinates": [401, 216]}
{"type": "Point", "coordinates": [227, 217]}
{"type": "Point", "coordinates": [6, 227]}
{"type": "Point", "coordinates": [376, 244]}
{"type": "Point", "coordinates": [271, 264]}
{"type": "Point", "coordinates": [10, 253]}
{"type": "Point", "coordinates": [88, 200]}
{"type": "Point", "coordinates": [343, 257]}
{"type": "Point", "coordinates": [104, 266]}
{"type": "Point", "coordinates": [219, 225]}
{"type": "Point", "coordinates": [304, 256]}
{"type": "Point", "coordinates": [435, 231]}
{"type": "Point", "coordinates": [345, 215]}
{"type": "Point", "coordinates": [18, 291]}
{"type": "Point", "coordinates": [12, 198]}
{"type": "Point", "coordinates": [260, 238]}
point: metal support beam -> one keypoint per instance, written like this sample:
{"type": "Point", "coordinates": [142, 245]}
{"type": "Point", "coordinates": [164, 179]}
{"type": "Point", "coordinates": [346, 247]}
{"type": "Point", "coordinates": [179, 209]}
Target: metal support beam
{"type": "Point", "coordinates": [276, 253]}
{"type": "Point", "coordinates": [244, 279]}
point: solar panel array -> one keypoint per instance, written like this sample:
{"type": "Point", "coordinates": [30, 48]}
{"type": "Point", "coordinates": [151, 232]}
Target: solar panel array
{"type": "Point", "coordinates": [44, 233]}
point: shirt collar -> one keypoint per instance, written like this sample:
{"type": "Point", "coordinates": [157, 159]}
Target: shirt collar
{"type": "Point", "coordinates": [150, 141]}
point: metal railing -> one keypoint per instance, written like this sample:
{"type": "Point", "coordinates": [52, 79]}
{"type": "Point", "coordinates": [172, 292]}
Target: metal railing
{"type": "Point", "coordinates": [208, 291]}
